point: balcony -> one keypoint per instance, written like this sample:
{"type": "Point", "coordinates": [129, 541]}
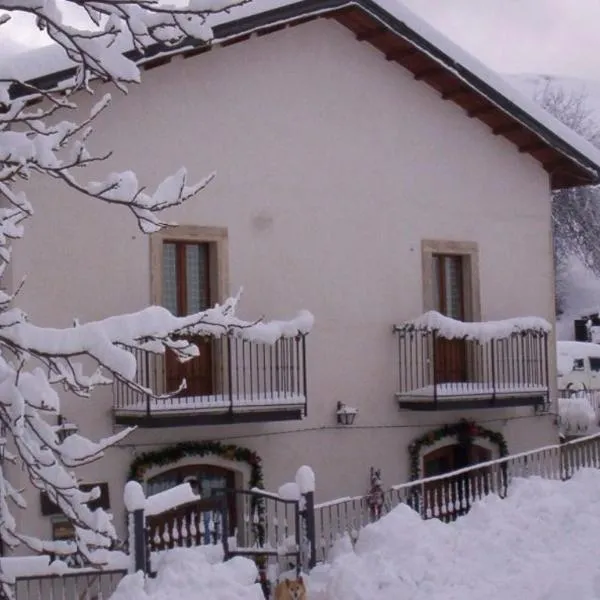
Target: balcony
{"type": "Point", "coordinates": [232, 381]}
{"type": "Point", "coordinates": [446, 364]}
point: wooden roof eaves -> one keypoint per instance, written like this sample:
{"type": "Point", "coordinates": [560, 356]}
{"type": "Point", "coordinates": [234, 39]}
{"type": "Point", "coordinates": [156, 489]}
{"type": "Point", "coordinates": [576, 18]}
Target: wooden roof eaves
{"type": "Point", "coordinates": [490, 93]}
{"type": "Point", "coordinates": [304, 9]}
{"type": "Point", "coordinates": [469, 79]}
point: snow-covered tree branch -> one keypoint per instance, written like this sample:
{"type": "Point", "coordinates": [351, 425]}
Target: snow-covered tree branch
{"type": "Point", "coordinates": [575, 211]}
{"type": "Point", "coordinates": [38, 139]}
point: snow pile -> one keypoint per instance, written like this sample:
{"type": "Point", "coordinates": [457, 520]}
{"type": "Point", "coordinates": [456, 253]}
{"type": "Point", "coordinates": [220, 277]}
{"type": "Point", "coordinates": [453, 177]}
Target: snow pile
{"type": "Point", "coordinates": [304, 482]}
{"type": "Point", "coordinates": [305, 479]}
{"type": "Point", "coordinates": [538, 544]}
{"type": "Point", "coordinates": [169, 499]}
{"type": "Point", "coordinates": [133, 496]}
{"type": "Point", "coordinates": [31, 566]}
{"type": "Point", "coordinates": [576, 414]}
{"type": "Point", "coordinates": [193, 573]}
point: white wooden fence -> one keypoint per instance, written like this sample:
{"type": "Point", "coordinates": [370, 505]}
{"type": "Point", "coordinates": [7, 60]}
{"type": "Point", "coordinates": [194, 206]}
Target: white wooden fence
{"type": "Point", "coordinates": [450, 495]}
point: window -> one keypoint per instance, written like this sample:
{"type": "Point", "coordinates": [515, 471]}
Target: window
{"type": "Point", "coordinates": [206, 480]}
{"type": "Point", "coordinates": [189, 267]}
{"type": "Point", "coordinates": [451, 278]}
{"type": "Point", "coordinates": [448, 288]}
{"type": "Point", "coordinates": [594, 364]}
{"type": "Point", "coordinates": [186, 277]}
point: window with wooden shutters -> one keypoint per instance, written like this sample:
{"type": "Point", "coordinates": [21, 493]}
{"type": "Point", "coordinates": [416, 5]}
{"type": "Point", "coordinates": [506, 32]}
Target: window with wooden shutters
{"type": "Point", "coordinates": [186, 281]}
{"type": "Point", "coordinates": [448, 297]}
{"type": "Point", "coordinates": [186, 290]}
{"type": "Point", "coordinates": [448, 285]}
{"type": "Point", "coordinates": [451, 278]}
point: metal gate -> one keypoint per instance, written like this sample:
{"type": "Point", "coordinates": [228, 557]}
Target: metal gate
{"type": "Point", "coordinates": [277, 533]}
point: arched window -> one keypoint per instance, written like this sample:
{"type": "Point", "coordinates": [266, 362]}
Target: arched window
{"type": "Point", "coordinates": [453, 457]}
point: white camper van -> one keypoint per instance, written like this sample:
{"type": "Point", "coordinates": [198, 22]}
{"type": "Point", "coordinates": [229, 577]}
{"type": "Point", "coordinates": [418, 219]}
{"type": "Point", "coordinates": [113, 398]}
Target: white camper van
{"type": "Point", "coordinates": [578, 366]}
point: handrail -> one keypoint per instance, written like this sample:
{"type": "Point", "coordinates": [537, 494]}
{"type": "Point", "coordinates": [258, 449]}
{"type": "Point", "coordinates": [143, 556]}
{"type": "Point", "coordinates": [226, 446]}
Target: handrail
{"type": "Point", "coordinates": [235, 372]}
{"type": "Point", "coordinates": [434, 368]}
{"type": "Point", "coordinates": [465, 470]}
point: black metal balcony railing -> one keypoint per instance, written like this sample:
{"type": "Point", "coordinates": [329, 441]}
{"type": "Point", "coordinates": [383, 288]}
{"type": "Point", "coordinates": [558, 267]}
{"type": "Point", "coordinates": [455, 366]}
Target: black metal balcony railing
{"type": "Point", "coordinates": [232, 376]}
{"type": "Point", "coordinates": [437, 372]}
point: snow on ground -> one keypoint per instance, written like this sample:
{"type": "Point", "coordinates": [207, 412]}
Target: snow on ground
{"type": "Point", "coordinates": [193, 574]}
{"type": "Point", "coordinates": [538, 544]}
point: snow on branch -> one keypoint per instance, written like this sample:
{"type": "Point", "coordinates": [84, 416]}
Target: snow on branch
{"type": "Point", "coordinates": [30, 146]}
{"type": "Point", "coordinates": [106, 342]}
{"type": "Point", "coordinates": [484, 331]}
{"type": "Point", "coordinates": [26, 396]}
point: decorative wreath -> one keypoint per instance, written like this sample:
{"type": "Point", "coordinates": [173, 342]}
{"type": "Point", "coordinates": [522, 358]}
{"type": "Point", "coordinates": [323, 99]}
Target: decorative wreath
{"type": "Point", "coordinates": [464, 431]}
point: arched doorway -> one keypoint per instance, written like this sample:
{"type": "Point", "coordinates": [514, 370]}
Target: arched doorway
{"type": "Point", "coordinates": [453, 457]}
{"type": "Point", "coordinates": [451, 497]}
{"type": "Point", "coordinates": [209, 481]}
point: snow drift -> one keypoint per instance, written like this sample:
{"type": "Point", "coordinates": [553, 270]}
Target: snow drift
{"type": "Point", "coordinates": [538, 544]}
{"type": "Point", "coordinates": [194, 573]}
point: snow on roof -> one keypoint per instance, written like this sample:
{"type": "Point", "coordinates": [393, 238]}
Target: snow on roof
{"type": "Point", "coordinates": [499, 84]}
{"type": "Point", "coordinates": [50, 59]}
{"type": "Point", "coordinates": [578, 349]}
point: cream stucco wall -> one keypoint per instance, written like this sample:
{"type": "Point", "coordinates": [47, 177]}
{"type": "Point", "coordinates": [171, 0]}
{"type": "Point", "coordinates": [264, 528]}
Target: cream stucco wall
{"type": "Point", "coordinates": [333, 165]}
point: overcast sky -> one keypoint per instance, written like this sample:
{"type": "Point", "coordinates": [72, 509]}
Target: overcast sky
{"type": "Point", "coordinates": [512, 36]}
{"type": "Point", "coordinates": [522, 36]}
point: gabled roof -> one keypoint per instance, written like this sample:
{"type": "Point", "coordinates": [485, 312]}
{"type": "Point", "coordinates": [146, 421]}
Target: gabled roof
{"type": "Point", "coordinates": [404, 38]}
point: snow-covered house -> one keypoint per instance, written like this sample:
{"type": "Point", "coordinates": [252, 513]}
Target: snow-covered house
{"type": "Point", "coordinates": [368, 170]}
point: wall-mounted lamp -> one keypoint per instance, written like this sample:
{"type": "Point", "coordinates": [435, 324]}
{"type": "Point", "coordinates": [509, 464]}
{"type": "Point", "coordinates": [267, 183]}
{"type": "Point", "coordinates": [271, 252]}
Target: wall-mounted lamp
{"type": "Point", "coordinates": [345, 414]}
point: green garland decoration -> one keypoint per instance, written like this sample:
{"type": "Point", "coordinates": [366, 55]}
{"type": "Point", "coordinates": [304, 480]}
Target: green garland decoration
{"type": "Point", "coordinates": [465, 431]}
{"type": "Point", "coordinates": [172, 454]}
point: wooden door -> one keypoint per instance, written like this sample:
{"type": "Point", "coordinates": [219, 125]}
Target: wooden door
{"type": "Point", "coordinates": [186, 290]}
{"type": "Point", "coordinates": [450, 361]}
{"type": "Point", "coordinates": [197, 372]}
{"type": "Point", "coordinates": [450, 354]}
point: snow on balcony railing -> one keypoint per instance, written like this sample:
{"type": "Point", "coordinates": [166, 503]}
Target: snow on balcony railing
{"type": "Point", "coordinates": [441, 358]}
{"type": "Point", "coordinates": [482, 331]}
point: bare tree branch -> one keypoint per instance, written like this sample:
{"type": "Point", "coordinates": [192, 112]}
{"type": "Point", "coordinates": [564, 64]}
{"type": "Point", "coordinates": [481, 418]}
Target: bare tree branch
{"type": "Point", "coordinates": [576, 211]}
